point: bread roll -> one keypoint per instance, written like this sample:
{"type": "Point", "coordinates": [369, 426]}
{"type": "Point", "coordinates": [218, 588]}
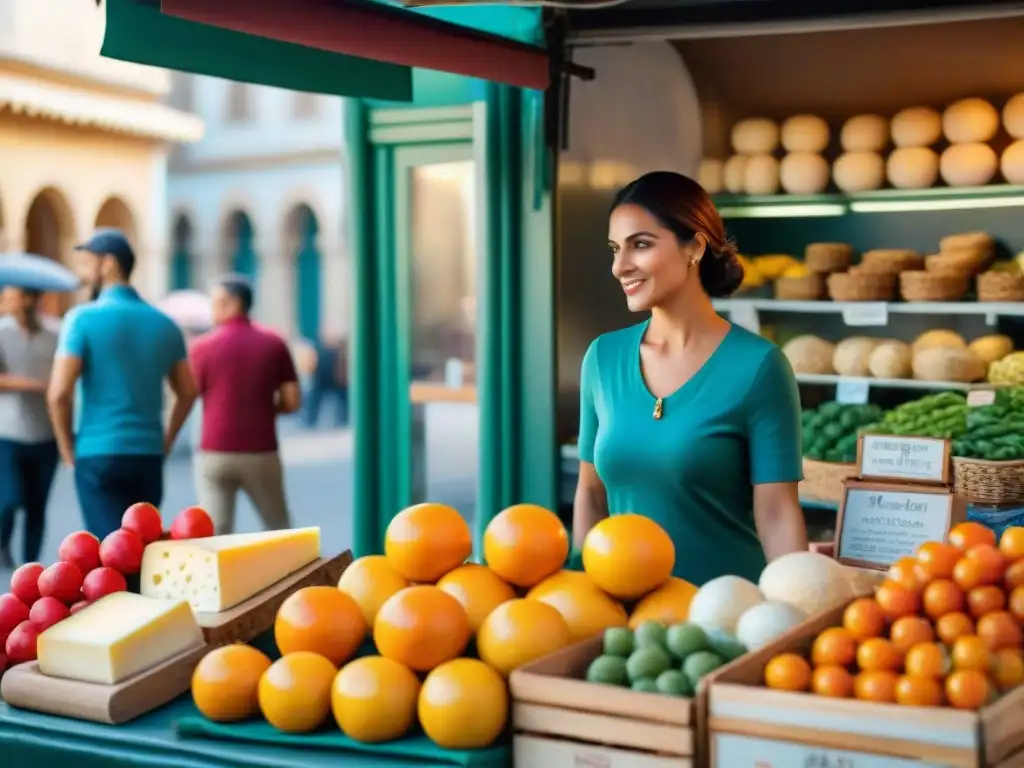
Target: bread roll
{"type": "Point", "coordinates": [859, 171]}
{"type": "Point", "coordinates": [968, 165]}
{"type": "Point", "coordinates": [969, 121]}
{"type": "Point", "coordinates": [755, 136]}
{"type": "Point", "coordinates": [1013, 116]}
{"type": "Point", "coordinates": [805, 133]}
{"type": "Point", "coordinates": [912, 167]}
{"type": "Point", "coordinates": [761, 175]}
{"type": "Point", "coordinates": [916, 127]}
{"type": "Point", "coordinates": [711, 175]}
{"type": "Point", "coordinates": [864, 133]}
{"type": "Point", "coordinates": [803, 173]}
{"type": "Point", "coordinates": [1012, 163]}
{"type": "Point", "coordinates": [734, 173]}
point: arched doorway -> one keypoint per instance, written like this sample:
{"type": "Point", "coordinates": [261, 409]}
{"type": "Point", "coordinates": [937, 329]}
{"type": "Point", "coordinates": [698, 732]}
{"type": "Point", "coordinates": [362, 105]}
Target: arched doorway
{"type": "Point", "coordinates": [241, 245]}
{"type": "Point", "coordinates": [115, 213]}
{"type": "Point", "coordinates": [50, 232]}
{"type": "Point", "coordinates": [303, 229]}
{"type": "Point", "coordinates": [181, 255]}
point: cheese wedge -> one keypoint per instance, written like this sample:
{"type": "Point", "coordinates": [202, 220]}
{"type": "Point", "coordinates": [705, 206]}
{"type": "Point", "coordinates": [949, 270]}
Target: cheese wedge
{"type": "Point", "coordinates": [219, 572]}
{"type": "Point", "coordinates": [118, 637]}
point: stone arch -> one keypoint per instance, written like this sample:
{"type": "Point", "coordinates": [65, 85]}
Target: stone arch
{"type": "Point", "coordinates": [239, 244]}
{"type": "Point", "coordinates": [115, 213]}
{"type": "Point", "coordinates": [50, 232]}
{"type": "Point", "coordinates": [302, 230]}
{"type": "Point", "coordinates": [182, 253]}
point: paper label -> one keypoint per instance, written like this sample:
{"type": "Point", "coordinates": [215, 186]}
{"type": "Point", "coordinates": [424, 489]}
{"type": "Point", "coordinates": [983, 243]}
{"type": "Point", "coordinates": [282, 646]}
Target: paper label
{"type": "Point", "coordinates": [977, 398]}
{"type": "Point", "coordinates": [735, 751]}
{"type": "Point", "coordinates": [880, 527]}
{"type": "Point", "coordinates": [746, 316]}
{"type": "Point", "coordinates": [906, 458]}
{"type": "Point", "coordinates": [866, 313]}
{"type": "Point", "coordinates": [853, 391]}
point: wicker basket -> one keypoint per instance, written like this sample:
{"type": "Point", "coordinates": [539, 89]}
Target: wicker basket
{"type": "Point", "coordinates": [828, 257]}
{"type": "Point", "coordinates": [929, 286]}
{"type": "Point", "coordinates": [862, 286]}
{"type": "Point", "coordinates": [893, 260]}
{"type": "Point", "coordinates": [807, 288]}
{"type": "Point", "coordinates": [961, 261]}
{"type": "Point", "coordinates": [1000, 286]}
{"type": "Point", "coordinates": [987, 482]}
{"type": "Point", "coordinates": [823, 480]}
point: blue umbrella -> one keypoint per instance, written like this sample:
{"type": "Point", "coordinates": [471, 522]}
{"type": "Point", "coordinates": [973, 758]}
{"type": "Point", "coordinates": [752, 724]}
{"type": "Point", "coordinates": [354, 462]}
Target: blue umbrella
{"type": "Point", "coordinates": [38, 273]}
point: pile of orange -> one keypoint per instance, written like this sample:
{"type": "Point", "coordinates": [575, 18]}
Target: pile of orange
{"type": "Point", "coordinates": [946, 627]}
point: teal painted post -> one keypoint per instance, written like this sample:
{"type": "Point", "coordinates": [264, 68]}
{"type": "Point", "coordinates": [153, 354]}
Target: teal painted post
{"type": "Point", "coordinates": [307, 283]}
{"type": "Point", "coordinates": [243, 261]}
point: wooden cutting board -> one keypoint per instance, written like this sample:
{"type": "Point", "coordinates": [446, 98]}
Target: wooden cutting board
{"type": "Point", "coordinates": [26, 687]}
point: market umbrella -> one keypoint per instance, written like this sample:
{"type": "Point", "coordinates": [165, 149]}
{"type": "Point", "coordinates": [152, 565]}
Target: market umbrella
{"type": "Point", "coordinates": [189, 309]}
{"type": "Point", "coordinates": [38, 273]}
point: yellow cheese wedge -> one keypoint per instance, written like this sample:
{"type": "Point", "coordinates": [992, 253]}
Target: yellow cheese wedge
{"type": "Point", "coordinates": [118, 637]}
{"type": "Point", "coordinates": [219, 572]}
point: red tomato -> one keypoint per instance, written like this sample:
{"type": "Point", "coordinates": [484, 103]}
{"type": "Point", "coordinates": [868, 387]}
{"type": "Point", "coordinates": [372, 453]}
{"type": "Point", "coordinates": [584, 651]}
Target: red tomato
{"type": "Point", "coordinates": [144, 520]}
{"type": "Point", "coordinates": [192, 523]}
{"type": "Point", "coordinates": [122, 551]}
{"type": "Point", "coordinates": [12, 613]}
{"type": "Point", "coordinates": [101, 582]}
{"type": "Point", "coordinates": [21, 643]}
{"type": "Point", "coordinates": [81, 549]}
{"type": "Point", "coordinates": [47, 611]}
{"type": "Point", "coordinates": [62, 581]}
{"type": "Point", "coordinates": [25, 582]}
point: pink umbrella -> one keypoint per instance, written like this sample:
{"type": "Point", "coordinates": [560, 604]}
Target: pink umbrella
{"type": "Point", "coordinates": [189, 309]}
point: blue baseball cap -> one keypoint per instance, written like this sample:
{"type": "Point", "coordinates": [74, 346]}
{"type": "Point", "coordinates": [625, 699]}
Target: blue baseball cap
{"type": "Point", "coordinates": [111, 242]}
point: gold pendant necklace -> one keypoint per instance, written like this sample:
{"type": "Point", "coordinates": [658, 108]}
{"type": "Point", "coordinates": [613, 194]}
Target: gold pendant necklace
{"type": "Point", "coordinates": [659, 409]}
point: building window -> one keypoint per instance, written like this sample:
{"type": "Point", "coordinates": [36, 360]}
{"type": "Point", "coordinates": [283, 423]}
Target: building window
{"type": "Point", "coordinates": [305, 105]}
{"type": "Point", "coordinates": [238, 106]}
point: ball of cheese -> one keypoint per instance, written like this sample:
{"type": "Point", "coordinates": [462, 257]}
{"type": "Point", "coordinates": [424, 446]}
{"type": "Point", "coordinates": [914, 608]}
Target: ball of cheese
{"type": "Point", "coordinates": [809, 354]}
{"type": "Point", "coordinates": [912, 167]}
{"type": "Point", "coordinates": [805, 133]}
{"type": "Point", "coordinates": [1012, 163]}
{"type": "Point", "coordinates": [734, 172]}
{"type": "Point", "coordinates": [968, 165]}
{"type": "Point", "coordinates": [939, 338]}
{"type": "Point", "coordinates": [1013, 116]}
{"type": "Point", "coordinates": [948, 365]}
{"type": "Point", "coordinates": [992, 347]}
{"type": "Point", "coordinates": [864, 133]}
{"type": "Point", "coordinates": [890, 360]}
{"type": "Point", "coordinates": [755, 136]}
{"type": "Point", "coordinates": [859, 171]}
{"type": "Point", "coordinates": [969, 121]}
{"type": "Point", "coordinates": [711, 175]}
{"type": "Point", "coordinates": [761, 176]}
{"type": "Point", "coordinates": [916, 127]}
{"type": "Point", "coordinates": [803, 173]}
{"type": "Point", "coordinates": [851, 355]}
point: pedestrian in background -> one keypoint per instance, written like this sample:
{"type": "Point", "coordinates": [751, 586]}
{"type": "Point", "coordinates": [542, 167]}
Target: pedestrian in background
{"type": "Point", "coordinates": [246, 377]}
{"type": "Point", "coordinates": [329, 380]}
{"type": "Point", "coordinates": [28, 451]}
{"type": "Point", "coordinates": [122, 350]}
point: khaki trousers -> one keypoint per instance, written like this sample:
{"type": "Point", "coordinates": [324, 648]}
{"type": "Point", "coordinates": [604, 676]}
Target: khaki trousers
{"type": "Point", "coordinates": [220, 476]}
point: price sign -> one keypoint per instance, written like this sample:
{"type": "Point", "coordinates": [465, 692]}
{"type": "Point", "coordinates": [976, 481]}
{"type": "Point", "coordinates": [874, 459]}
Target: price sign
{"type": "Point", "coordinates": [977, 398]}
{"type": "Point", "coordinates": [745, 316]}
{"type": "Point", "coordinates": [735, 751]}
{"type": "Point", "coordinates": [852, 391]}
{"type": "Point", "coordinates": [912, 459]}
{"type": "Point", "coordinates": [867, 313]}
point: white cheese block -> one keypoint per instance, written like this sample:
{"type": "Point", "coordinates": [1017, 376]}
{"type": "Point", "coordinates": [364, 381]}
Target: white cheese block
{"type": "Point", "coordinates": [969, 121]}
{"type": "Point", "coordinates": [118, 637]}
{"type": "Point", "coordinates": [1013, 116]}
{"type": "Point", "coordinates": [916, 127]}
{"type": "Point", "coordinates": [219, 572]}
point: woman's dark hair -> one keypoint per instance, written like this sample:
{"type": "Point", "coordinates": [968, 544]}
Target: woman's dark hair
{"type": "Point", "coordinates": [683, 207]}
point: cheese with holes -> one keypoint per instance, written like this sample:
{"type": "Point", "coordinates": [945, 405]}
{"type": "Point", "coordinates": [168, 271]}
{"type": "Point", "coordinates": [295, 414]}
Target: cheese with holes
{"type": "Point", "coordinates": [219, 572]}
{"type": "Point", "coordinates": [118, 637]}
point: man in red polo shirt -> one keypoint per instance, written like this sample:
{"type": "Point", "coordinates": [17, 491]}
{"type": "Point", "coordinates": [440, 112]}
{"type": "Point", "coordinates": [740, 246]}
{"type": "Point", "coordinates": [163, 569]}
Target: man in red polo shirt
{"type": "Point", "coordinates": [245, 377]}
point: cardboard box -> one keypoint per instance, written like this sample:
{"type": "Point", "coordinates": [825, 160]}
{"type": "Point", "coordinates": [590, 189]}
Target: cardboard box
{"type": "Point", "coordinates": [751, 726]}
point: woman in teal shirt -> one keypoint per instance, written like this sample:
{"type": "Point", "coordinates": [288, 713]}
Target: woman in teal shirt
{"type": "Point", "coordinates": [686, 418]}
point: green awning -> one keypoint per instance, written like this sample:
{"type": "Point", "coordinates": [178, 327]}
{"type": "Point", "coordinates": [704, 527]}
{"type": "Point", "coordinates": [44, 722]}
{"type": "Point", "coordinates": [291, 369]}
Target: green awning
{"type": "Point", "coordinates": [138, 32]}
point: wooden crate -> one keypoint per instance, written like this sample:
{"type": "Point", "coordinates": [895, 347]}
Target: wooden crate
{"type": "Point", "coordinates": [750, 726]}
{"type": "Point", "coordinates": [562, 721]}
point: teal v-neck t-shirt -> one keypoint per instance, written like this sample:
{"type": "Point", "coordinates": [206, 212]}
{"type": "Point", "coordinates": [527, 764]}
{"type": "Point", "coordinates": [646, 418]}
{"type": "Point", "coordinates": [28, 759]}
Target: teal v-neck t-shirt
{"type": "Point", "coordinates": [733, 425]}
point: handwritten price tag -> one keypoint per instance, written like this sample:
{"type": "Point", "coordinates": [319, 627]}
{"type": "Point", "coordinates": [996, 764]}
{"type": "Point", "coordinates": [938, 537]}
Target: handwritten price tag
{"type": "Point", "coordinates": [852, 391]}
{"type": "Point", "coordinates": [867, 313]}
{"type": "Point", "coordinates": [977, 398]}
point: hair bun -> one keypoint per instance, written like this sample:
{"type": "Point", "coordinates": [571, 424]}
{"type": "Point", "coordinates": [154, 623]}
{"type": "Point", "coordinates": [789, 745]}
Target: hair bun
{"type": "Point", "coordinates": [721, 272]}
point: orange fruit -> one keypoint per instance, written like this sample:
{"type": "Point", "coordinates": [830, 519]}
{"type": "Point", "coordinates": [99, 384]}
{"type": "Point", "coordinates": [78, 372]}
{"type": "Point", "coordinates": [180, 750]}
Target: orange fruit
{"type": "Point", "coordinates": [970, 534]}
{"type": "Point", "coordinates": [525, 544]}
{"type": "Point", "coordinates": [836, 646]}
{"type": "Point", "coordinates": [1008, 668]}
{"type": "Point", "coordinates": [788, 672]}
{"type": "Point", "coordinates": [878, 654]}
{"type": "Point", "coordinates": [322, 620]}
{"type": "Point", "coordinates": [907, 573]}
{"type": "Point", "coordinates": [374, 699]}
{"type": "Point", "coordinates": [832, 680]}
{"type": "Point", "coordinates": [968, 574]}
{"type": "Point", "coordinates": [586, 609]}
{"type": "Point", "coordinates": [463, 704]}
{"type": "Point", "coordinates": [519, 631]}
{"type": "Point", "coordinates": [295, 691]}
{"type": "Point", "coordinates": [968, 689]}
{"type": "Point", "coordinates": [628, 555]}
{"type": "Point", "coordinates": [918, 691]}
{"type": "Point", "coordinates": [425, 541]}
{"type": "Point", "coordinates": [878, 686]}
{"type": "Point", "coordinates": [942, 596]}
{"type": "Point", "coordinates": [1014, 576]}
{"type": "Point", "coordinates": [971, 652]}
{"type": "Point", "coordinates": [226, 682]}
{"type": "Point", "coordinates": [1016, 603]}
{"type": "Point", "coordinates": [421, 627]}
{"type": "Point", "coordinates": [954, 625]}
{"type": "Point", "coordinates": [1000, 630]}
{"type": "Point", "coordinates": [927, 660]}
{"type": "Point", "coordinates": [896, 600]}
{"type": "Point", "coordinates": [993, 565]}
{"type": "Point", "coordinates": [1011, 543]}
{"type": "Point", "coordinates": [370, 581]}
{"type": "Point", "coordinates": [937, 559]}
{"type": "Point", "coordinates": [864, 618]}
{"type": "Point", "coordinates": [668, 604]}
{"type": "Point", "coordinates": [982, 600]}
{"type": "Point", "coordinates": [479, 589]}
{"type": "Point", "coordinates": [908, 631]}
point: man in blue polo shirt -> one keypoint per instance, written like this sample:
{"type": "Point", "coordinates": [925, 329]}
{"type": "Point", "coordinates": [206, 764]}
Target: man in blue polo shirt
{"type": "Point", "coordinates": [119, 350]}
